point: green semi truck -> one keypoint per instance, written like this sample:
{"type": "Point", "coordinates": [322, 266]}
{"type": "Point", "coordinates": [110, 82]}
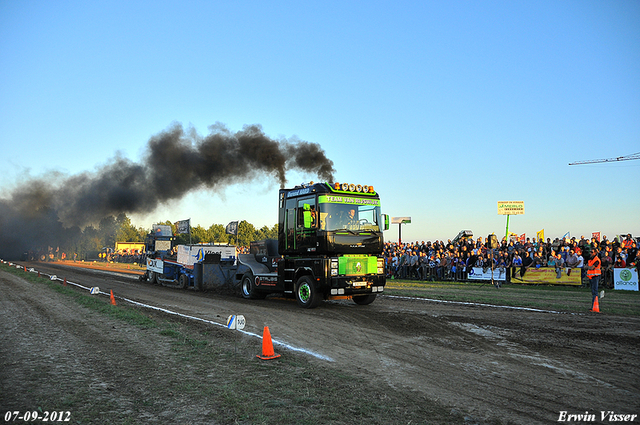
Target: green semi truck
{"type": "Point", "coordinates": [330, 244]}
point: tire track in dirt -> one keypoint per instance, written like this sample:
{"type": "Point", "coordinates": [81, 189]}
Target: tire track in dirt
{"type": "Point", "coordinates": [54, 349]}
{"type": "Point", "coordinates": [500, 365]}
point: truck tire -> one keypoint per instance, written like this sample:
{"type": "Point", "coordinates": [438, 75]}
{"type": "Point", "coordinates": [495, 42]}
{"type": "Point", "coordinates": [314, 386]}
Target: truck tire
{"type": "Point", "coordinates": [183, 281]}
{"type": "Point", "coordinates": [248, 287]}
{"type": "Point", "coordinates": [306, 293]}
{"type": "Point", "coordinates": [153, 277]}
{"type": "Point", "coordinates": [364, 299]}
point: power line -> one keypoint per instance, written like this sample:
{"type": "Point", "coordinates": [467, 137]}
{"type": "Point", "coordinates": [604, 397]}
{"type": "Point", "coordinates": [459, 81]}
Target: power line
{"type": "Point", "coordinates": [619, 158]}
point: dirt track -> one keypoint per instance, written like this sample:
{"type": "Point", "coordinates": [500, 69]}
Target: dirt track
{"type": "Point", "coordinates": [495, 364]}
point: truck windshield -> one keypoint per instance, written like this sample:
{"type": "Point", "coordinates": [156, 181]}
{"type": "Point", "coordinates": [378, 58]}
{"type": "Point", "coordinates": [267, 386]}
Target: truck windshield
{"type": "Point", "coordinates": [345, 213]}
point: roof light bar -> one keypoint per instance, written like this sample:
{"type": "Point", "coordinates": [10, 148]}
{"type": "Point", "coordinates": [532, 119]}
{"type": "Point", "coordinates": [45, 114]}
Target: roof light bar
{"type": "Point", "coordinates": [350, 187]}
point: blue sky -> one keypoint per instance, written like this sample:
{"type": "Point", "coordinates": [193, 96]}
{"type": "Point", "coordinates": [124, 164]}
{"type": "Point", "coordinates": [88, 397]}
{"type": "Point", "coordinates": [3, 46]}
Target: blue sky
{"type": "Point", "coordinates": [445, 108]}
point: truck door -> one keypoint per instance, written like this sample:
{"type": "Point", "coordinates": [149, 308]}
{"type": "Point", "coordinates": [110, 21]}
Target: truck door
{"type": "Point", "coordinates": [290, 226]}
{"type": "Point", "coordinates": [301, 222]}
{"type": "Point", "coordinates": [306, 224]}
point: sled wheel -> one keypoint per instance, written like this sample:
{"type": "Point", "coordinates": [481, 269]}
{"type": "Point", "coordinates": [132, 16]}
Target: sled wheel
{"type": "Point", "coordinates": [183, 281]}
{"type": "Point", "coordinates": [248, 287]}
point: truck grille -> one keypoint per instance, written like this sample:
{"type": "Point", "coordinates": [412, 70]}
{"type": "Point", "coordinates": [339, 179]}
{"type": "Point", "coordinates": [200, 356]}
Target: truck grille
{"type": "Point", "coordinates": [357, 265]}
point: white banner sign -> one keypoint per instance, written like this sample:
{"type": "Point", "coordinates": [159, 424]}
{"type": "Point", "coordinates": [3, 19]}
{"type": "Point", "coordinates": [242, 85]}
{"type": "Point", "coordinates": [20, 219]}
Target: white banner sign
{"type": "Point", "coordinates": [478, 273]}
{"type": "Point", "coordinates": [188, 255]}
{"type": "Point", "coordinates": [625, 279]}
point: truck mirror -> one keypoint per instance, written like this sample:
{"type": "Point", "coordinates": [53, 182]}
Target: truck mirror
{"type": "Point", "coordinates": [386, 221]}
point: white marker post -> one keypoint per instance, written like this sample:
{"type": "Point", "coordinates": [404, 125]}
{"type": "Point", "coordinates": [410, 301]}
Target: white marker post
{"type": "Point", "coordinates": [236, 322]}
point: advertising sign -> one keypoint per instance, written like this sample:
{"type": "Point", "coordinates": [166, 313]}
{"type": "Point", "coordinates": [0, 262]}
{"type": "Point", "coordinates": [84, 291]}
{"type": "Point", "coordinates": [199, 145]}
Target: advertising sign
{"type": "Point", "coordinates": [549, 276]}
{"type": "Point", "coordinates": [188, 255]}
{"type": "Point", "coordinates": [130, 246]}
{"type": "Point", "coordinates": [478, 273]}
{"type": "Point", "coordinates": [400, 220]}
{"type": "Point", "coordinates": [625, 279]}
{"type": "Point", "coordinates": [510, 207]}
{"type": "Point", "coordinates": [163, 245]}
{"type": "Point", "coordinates": [334, 199]}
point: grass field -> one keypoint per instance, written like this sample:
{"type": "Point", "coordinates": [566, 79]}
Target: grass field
{"type": "Point", "coordinates": [546, 297]}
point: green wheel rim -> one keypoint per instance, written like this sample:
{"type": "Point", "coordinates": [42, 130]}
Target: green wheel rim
{"type": "Point", "coordinates": [304, 292]}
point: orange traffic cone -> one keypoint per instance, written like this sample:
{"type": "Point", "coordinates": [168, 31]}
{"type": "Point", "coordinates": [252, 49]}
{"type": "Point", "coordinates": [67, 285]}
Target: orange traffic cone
{"type": "Point", "coordinates": [113, 300]}
{"type": "Point", "coordinates": [596, 305]}
{"type": "Point", "coordinates": [267, 346]}
{"type": "Point", "coordinates": [65, 282]}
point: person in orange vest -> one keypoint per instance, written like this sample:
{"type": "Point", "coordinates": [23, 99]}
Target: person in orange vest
{"type": "Point", "coordinates": [593, 273]}
{"type": "Point", "coordinates": [628, 242]}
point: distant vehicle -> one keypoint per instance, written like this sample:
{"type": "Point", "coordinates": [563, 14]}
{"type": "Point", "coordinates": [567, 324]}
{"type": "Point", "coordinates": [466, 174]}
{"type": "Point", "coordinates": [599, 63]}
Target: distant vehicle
{"type": "Point", "coordinates": [464, 234]}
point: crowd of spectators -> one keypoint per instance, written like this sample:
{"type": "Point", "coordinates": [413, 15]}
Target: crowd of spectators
{"type": "Point", "coordinates": [454, 259]}
{"type": "Point", "coordinates": [123, 256]}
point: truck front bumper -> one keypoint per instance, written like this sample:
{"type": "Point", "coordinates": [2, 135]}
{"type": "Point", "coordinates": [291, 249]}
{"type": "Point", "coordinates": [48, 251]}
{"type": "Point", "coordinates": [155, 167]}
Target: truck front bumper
{"type": "Point", "coordinates": [357, 285]}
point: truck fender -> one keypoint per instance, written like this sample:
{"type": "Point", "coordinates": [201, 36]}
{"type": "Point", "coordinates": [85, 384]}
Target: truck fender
{"type": "Point", "coordinates": [308, 271]}
{"type": "Point", "coordinates": [247, 262]}
{"type": "Point", "coordinates": [303, 271]}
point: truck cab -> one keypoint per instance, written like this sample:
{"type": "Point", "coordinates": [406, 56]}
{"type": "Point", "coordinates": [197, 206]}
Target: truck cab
{"type": "Point", "coordinates": [330, 242]}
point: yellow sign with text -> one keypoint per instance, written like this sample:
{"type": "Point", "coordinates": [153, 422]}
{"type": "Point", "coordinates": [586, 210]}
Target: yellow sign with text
{"type": "Point", "coordinates": [510, 207]}
{"type": "Point", "coordinates": [548, 276]}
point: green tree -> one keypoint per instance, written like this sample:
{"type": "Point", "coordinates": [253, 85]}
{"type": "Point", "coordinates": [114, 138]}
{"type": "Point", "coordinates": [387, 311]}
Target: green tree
{"type": "Point", "coordinates": [267, 233]}
{"type": "Point", "coordinates": [218, 233]}
{"type": "Point", "coordinates": [246, 233]}
{"type": "Point", "coordinates": [127, 232]}
{"type": "Point", "coordinates": [200, 235]}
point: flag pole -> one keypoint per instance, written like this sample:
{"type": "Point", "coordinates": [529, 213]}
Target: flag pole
{"type": "Point", "coordinates": [506, 236]}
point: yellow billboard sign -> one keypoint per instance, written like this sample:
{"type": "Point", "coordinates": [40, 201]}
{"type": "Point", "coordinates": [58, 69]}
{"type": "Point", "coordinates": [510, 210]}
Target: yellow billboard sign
{"type": "Point", "coordinates": [510, 207]}
{"type": "Point", "coordinates": [548, 276]}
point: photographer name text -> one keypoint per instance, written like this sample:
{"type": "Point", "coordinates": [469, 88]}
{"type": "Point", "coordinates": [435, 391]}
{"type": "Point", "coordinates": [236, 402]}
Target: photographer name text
{"type": "Point", "coordinates": [604, 416]}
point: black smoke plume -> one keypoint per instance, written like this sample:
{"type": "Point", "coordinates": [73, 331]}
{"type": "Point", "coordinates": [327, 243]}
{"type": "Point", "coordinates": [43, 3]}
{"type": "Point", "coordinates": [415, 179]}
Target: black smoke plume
{"type": "Point", "coordinates": [41, 210]}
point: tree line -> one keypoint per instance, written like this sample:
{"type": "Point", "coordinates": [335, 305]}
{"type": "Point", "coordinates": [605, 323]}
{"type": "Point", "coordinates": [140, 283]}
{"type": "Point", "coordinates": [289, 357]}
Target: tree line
{"type": "Point", "coordinates": [88, 242]}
